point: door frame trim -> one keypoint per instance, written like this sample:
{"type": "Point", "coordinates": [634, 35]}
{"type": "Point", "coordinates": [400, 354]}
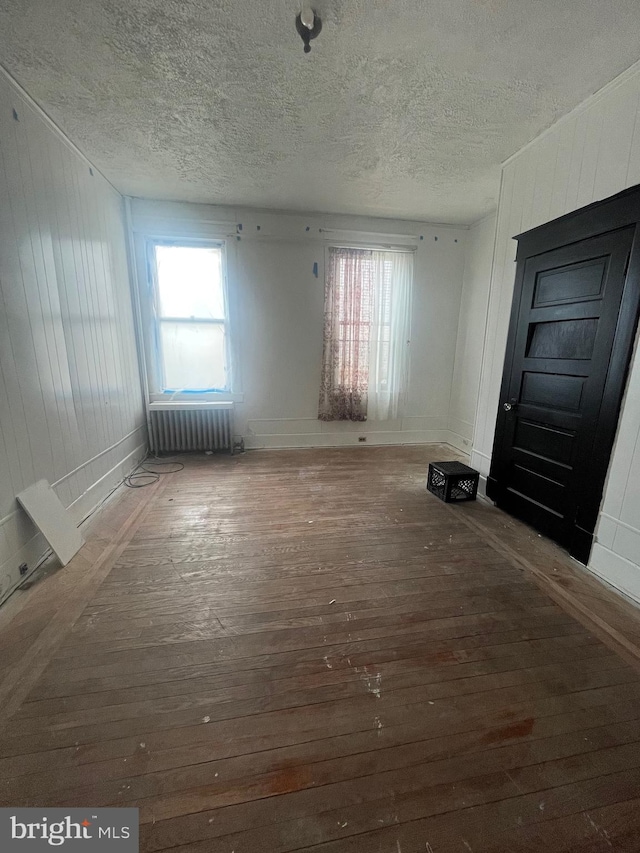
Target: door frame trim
{"type": "Point", "coordinates": [601, 217]}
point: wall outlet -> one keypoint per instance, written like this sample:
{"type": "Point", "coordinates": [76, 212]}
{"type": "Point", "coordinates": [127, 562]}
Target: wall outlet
{"type": "Point", "coordinates": [362, 438]}
{"type": "Point", "coordinates": [23, 568]}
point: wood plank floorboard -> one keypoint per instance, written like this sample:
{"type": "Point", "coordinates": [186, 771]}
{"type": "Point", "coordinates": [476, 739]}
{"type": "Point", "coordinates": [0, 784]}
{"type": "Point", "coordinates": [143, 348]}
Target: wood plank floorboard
{"type": "Point", "coordinates": [306, 651]}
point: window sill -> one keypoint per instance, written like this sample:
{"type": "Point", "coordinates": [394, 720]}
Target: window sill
{"type": "Point", "coordinates": [213, 397]}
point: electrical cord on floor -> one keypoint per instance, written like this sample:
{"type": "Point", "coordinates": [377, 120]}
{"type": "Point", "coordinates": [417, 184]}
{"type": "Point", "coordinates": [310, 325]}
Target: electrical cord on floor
{"type": "Point", "coordinates": [144, 475]}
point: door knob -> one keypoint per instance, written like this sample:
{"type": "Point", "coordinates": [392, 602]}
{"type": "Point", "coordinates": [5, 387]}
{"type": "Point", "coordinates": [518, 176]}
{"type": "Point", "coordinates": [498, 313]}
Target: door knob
{"type": "Point", "coordinates": [507, 407]}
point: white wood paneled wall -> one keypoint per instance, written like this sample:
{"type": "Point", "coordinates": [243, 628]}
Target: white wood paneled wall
{"type": "Point", "coordinates": [70, 401]}
{"type": "Point", "coordinates": [470, 337]}
{"type": "Point", "coordinates": [592, 153]}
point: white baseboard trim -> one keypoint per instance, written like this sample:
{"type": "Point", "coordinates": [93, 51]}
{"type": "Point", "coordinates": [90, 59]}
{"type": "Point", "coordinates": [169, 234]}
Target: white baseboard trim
{"type": "Point", "coordinates": [32, 553]}
{"type": "Point", "coordinates": [480, 461]}
{"type": "Point", "coordinates": [87, 503]}
{"type": "Point", "coordinates": [619, 537]}
{"type": "Point", "coordinates": [615, 570]}
{"type": "Point", "coordinates": [95, 458]}
{"type": "Point", "coordinates": [68, 476]}
{"type": "Point", "coordinates": [33, 550]}
{"type": "Point", "coordinates": [462, 428]}
{"type": "Point", "coordinates": [482, 487]}
{"type": "Point", "coordinates": [347, 439]}
{"type": "Point", "coordinates": [459, 442]}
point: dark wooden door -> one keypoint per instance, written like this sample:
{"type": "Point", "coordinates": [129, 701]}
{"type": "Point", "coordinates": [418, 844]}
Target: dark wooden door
{"type": "Point", "coordinates": [572, 327]}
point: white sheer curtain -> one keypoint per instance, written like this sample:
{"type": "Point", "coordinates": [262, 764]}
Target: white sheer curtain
{"type": "Point", "coordinates": [389, 341]}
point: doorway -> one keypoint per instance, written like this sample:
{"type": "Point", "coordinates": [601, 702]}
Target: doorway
{"type": "Point", "coordinates": [573, 324]}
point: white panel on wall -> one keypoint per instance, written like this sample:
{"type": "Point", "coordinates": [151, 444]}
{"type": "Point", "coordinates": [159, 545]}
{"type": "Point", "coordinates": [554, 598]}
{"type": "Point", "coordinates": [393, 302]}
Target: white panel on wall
{"type": "Point", "coordinates": [591, 154]}
{"type": "Point", "coordinates": [70, 402]}
{"type": "Point", "coordinates": [45, 510]}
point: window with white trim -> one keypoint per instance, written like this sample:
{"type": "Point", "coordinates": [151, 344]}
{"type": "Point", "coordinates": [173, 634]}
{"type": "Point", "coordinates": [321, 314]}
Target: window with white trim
{"type": "Point", "coordinates": [191, 318]}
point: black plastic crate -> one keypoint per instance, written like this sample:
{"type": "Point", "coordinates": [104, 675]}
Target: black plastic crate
{"type": "Point", "coordinates": [452, 481]}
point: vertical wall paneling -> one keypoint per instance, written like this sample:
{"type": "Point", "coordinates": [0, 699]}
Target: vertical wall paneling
{"type": "Point", "coordinates": [470, 334]}
{"type": "Point", "coordinates": [70, 403]}
{"type": "Point", "coordinates": [591, 154]}
{"type": "Point", "coordinates": [564, 155]}
{"type": "Point", "coordinates": [502, 251]}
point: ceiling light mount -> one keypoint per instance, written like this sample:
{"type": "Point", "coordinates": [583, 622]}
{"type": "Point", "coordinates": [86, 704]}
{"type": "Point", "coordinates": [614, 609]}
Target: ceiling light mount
{"type": "Point", "coordinates": [308, 25]}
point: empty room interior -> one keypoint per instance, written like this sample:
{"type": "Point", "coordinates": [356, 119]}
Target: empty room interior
{"type": "Point", "coordinates": [320, 426]}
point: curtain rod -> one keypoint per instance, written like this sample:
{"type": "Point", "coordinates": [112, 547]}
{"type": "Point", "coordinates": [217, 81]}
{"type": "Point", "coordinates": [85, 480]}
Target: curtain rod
{"type": "Point", "coordinates": [369, 234]}
{"type": "Point", "coordinates": [376, 247]}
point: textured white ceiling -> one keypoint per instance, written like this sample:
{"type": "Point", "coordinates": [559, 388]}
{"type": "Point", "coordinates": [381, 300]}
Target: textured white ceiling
{"type": "Point", "coordinates": [403, 108]}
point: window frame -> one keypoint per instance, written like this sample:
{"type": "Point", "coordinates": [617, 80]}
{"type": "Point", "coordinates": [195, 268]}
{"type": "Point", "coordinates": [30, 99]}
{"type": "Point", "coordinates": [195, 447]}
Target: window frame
{"type": "Point", "coordinates": [157, 393]}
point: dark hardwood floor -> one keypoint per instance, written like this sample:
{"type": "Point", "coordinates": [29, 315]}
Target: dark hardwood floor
{"type": "Point", "coordinates": [305, 650]}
